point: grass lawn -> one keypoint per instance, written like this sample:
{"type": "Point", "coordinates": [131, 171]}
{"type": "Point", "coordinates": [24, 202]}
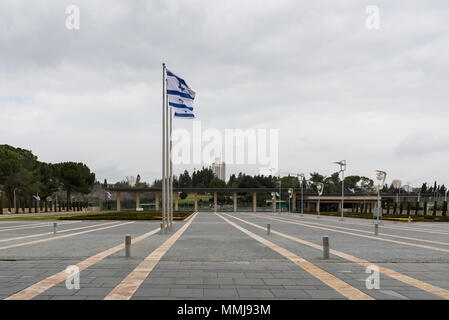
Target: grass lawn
{"type": "Point", "coordinates": [108, 215]}
{"type": "Point", "coordinates": [393, 217]}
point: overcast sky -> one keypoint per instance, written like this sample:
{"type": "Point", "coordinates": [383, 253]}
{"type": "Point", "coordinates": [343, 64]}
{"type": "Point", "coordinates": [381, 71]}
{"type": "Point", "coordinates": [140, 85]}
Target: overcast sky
{"type": "Point", "coordinates": [311, 69]}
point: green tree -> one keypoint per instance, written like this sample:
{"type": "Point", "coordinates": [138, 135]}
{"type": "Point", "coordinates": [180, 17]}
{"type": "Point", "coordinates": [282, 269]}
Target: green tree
{"type": "Point", "coordinates": [75, 177]}
{"type": "Point", "coordinates": [217, 183]}
{"type": "Point", "coordinates": [18, 171]}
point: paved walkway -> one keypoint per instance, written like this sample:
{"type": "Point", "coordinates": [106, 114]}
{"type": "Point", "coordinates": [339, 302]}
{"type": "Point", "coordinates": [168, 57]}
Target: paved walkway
{"type": "Point", "coordinates": [225, 256]}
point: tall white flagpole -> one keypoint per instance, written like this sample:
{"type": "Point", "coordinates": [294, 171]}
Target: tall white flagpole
{"type": "Point", "coordinates": [167, 163]}
{"type": "Point", "coordinates": [168, 111]}
{"type": "Point", "coordinates": [171, 171]}
{"type": "Point", "coordinates": [164, 149]}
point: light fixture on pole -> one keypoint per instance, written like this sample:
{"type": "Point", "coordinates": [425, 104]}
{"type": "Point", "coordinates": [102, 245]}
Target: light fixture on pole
{"type": "Point", "coordinates": [290, 195]}
{"type": "Point", "coordinates": [342, 165]}
{"type": "Point", "coordinates": [319, 188]}
{"type": "Point", "coordinates": [381, 176]}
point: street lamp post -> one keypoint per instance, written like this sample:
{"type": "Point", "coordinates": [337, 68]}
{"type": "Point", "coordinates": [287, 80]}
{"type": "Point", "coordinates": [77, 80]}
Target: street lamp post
{"type": "Point", "coordinates": [301, 175]}
{"type": "Point", "coordinates": [381, 176]}
{"type": "Point", "coordinates": [320, 188]}
{"type": "Point", "coordinates": [342, 165]}
{"type": "Point", "coordinates": [280, 194]}
{"type": "Point", "coordinates": [290, 195]}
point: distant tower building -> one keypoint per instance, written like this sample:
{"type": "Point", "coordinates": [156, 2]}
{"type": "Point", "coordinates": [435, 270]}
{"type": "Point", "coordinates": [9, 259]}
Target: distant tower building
{"type": "Point", "coordinates": [219, 169]}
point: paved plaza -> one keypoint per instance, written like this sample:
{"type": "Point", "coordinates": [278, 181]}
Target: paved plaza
{"type": "Point", "coordinates": [225, 256]}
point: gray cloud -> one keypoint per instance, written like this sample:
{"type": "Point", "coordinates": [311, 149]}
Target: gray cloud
{"type": "Point", "coordinates": [311, 69]}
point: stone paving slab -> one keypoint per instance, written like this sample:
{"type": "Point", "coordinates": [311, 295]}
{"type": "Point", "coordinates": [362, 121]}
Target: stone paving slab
{"type": "Point", "coordinates": [214, 260]}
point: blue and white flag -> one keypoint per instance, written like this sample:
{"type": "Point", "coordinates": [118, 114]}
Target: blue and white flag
{"type": "Point", "coordinates": [180, 96]}
{"type": "Point", "coordinates": [37, 198]}
{"type": "Point", "coordinates": [108, 194]}
{"type": "Point", "coordinates": [277, 195]}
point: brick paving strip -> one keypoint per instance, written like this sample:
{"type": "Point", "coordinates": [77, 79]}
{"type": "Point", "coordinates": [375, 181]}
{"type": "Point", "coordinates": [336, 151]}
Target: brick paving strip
{"type": "Point", "coordinates": [42, 286]}
{"type": "Point", "coordinates": [383, 234]}
{"type": "Point", "coordinates": [126, 289]}
{"type": "Point", "coordinates": [443, 293]}
{"type": "Point", "coordinates": [402, 228]}
{"type": "Point", "coordinates": [59, 231]}
{"type": "Point", "coordinates": [335, 283]}
{"type": "Point", "coordinates": [329, 228]}
{"type": "Point", "coordinates": [40, 225]}
{"type": "Point", "coordinates": [61, 237]}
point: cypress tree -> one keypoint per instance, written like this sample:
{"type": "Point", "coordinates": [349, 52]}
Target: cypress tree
{"type": "Point", "coordinates": [30, 204]}
{"type": "Point", "coordinates": [408, 208]}
{"type": "Point", "coordinates": [425, 208]}
{"type": "Point", "coordinates": [46, 206]}
{"type": "Point", "coordinates": [401, 208]}
{"type": "Point", "coordinates": [388, 208]}
{"type": "Point", "coordinates": [416, 208]}
{"type": "Point", "coordinates": [35, 206]}
{"type": "Point", "coordinates": [444, 208]}
{"type": "Point", "coordinates": [1, 205]}
{"type": "Point", "coordinates": [435, 207]}
{"type": "Point", "coordinates": [395, 207]}
{"type": "Point", "coordinates": [9, 206]}
{"type": "Point", "coordinates": [23, 205]}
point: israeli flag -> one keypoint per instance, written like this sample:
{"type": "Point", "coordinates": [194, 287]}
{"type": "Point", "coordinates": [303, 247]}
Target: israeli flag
{"type": "Point", "coordinates": [277, 195]}
{"type": "Point", "coordinates": [37, 198]}
{"type": "Point", "coordinates": [180, 96]}
{"type": "Point", "coordinates": [108, 194]}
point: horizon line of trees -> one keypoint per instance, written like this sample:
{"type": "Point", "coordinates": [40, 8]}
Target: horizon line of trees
{"type": "Point", "coordinates": [23, 175]}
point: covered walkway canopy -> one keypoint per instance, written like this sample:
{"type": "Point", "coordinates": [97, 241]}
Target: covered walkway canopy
{"type": "Point", "coordinates": [308, 198]}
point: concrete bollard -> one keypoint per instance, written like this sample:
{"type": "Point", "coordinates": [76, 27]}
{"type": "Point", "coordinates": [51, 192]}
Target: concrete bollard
{"type": "Point", "coordinates": [409, 219]}
{"type": "Point", "coordinates": [55, 226]}
{"type": "Point", "coordinates": [325, 247]}
{"type": "Point", "coordinates": [376, 229]}
{"type": "Point", "coordinates": [268, 229]}
{"type": "Point", "coordinates": [128, 246]}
